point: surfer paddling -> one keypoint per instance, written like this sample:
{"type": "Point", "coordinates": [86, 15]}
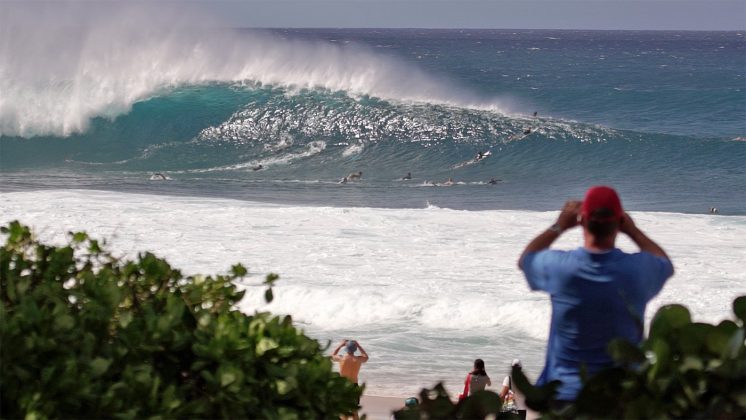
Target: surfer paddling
{"type": "Point", "coordinates": [353, 177]}
{"type": "Point", "coordinates": [482, 155]}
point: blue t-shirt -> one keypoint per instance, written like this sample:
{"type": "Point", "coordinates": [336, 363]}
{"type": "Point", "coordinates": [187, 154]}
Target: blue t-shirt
{"type": "Point", "coordinates": [595, 298]}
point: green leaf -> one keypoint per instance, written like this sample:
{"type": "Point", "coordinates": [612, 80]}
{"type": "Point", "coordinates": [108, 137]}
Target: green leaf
{"type": "Point", "coordinates": [480, 405]}
{"type": "Point", "coordinates": [94, 247]}
{"type": "Point", "coordinates": [625, 352]}
{"type": "Point", "coordinates": [691, 363]}
{"type": "Point", "coordinates": [265, 345]}
{"type": "Point", "coordinates": [238, 270]}
{"type": "Point", "coordinates": [659, 366]}
{"type": "Point", "coordinates": [718, 337]}
{"type": "Point", "coordinates": [271, 279]}
{"type": "Point", "coordinates": [668, 319]}
{"type": "Point", "coordinates": [737, 346]}
{"type": "Point", "coordinates": [739, 308]}
{"type": "Point", "coordinates": [693, 337]}
{"type": "Point", "coordinates": [227, 378]}
{"type": "Point", "coordinates": [99, 366]}
{"type": "Point", "coordinates": [64, 322]}
{"type": "Point", "coordinates": [125, 319]}
{"type": "Point", "coordinates": [268, 296]}
{"type": "Point", "coordinates": [282, 386]}
{"type": "Point", "coordinates": [538, 398]}
{"type": "Point", "coordinates": [79, 237]}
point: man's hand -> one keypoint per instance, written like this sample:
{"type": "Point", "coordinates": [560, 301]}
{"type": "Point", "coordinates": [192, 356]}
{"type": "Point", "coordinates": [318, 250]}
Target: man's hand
{"type": "Point", "coordinates": [627, 226]}
{"type": "Point", "coordinates": [568, 217]}
{"type": "Point", "coordinates": [339, 347]}
{"type": "Point", "coordinates": [362, 351]}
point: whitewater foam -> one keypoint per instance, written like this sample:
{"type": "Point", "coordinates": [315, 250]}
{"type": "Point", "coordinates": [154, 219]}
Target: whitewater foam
{"type": "Point", "coordinates": [54, 79]}
{"type": "Point", "coordinates": [311, 149]}
{"type": "Point", "coordinates": [442, 280]}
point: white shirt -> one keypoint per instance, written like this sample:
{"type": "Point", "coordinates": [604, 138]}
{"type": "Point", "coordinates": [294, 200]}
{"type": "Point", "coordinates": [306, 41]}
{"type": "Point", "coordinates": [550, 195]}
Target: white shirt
{"type": "Point", "coordinates": [518, 397]}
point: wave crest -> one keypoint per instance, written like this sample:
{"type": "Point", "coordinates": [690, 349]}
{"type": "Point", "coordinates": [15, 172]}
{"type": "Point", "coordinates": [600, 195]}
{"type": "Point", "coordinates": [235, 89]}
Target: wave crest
{"type": "Point", "coordinates": [54, 81]}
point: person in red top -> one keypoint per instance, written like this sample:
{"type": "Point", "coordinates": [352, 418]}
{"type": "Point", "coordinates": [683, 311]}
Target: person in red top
{"type": "Point", "coordinates": [476, 380]}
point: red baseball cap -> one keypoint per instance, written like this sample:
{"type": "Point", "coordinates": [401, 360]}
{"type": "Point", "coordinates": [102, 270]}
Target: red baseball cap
{"type": "Point", "coordinates": [602, 197]}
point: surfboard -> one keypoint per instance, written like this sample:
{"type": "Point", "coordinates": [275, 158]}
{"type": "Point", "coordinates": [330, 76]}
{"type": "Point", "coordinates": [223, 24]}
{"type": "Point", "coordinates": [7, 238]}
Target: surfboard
{"type": "Point", "coordinates": [485, 155]}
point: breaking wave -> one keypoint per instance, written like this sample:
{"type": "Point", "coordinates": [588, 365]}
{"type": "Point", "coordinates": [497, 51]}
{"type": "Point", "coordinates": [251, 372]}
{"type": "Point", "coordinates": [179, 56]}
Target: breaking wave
{"type": "Point", "coordinates": [53, 81]}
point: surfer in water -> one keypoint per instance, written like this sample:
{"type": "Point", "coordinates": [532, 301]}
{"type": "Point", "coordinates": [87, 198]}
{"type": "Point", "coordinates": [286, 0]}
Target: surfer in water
{"type": "Point", "coordinates": [448, 183]}
{"type": "Point", "coordinates": [158, 177]}
{"type": "Point", "coordinates": [481, 155]}
{"type": "Point", "coordinates": [355, 176]}
{"type": "Point", "coordinates": [257, 168]}
{"type": "Point", "coordinates": [493, 181]}
{"type": "Point", "coordinates": [407, 177]}
{"type": "Point", "coordinates": [527, 131]}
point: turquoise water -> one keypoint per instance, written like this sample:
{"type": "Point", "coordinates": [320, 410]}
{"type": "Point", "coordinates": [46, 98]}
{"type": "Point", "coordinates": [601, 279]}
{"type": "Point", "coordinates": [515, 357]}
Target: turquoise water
{"type": "Point", "coordinates": [659, 115]}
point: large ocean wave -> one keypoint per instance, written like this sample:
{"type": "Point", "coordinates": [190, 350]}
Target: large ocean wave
{"type": "Point", "coordinates": [54, 79]}
{"type": "Point", "coordinates": [230, 136]}
{"type": "Point", "coordinates": [242, 113]}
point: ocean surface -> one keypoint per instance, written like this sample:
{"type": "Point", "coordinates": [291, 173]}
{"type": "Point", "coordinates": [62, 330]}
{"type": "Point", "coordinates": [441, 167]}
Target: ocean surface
{"type": "Point", "coordinates": [212, 147]}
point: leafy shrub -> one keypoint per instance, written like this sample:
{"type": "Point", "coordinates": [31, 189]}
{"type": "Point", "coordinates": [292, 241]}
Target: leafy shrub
{"type": "Point", "coordinates": [683, 369]}
{"type": "Point", "coordinates": [435, 404]}
{"type": "Point", "coordinates": [87, 335]}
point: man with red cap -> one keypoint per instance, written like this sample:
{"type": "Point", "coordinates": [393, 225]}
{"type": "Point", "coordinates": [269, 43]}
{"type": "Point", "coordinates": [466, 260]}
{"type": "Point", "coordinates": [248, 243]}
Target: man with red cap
{"type": "Point", "coordinates": [598, 292]}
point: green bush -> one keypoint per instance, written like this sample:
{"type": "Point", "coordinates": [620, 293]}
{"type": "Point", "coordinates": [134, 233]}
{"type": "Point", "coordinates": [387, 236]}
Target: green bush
{"type": "Point", "coordinates": [435, 404]}
{"type": "Point", "coordinates": [683, 369]}
{"type": "Point", "coordinates": [87, 335]}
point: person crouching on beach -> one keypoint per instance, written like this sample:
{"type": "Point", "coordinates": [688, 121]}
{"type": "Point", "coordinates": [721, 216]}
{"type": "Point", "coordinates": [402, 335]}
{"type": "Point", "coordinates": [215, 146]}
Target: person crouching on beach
{"type": "Point", "coordinates": [476, 380]}
{"type": "Point", "coordinates": [598, 292]}
{"type": "Point", "coordinates": [349, 364]}
{"type": "Point", "coordinates": [509, 392]}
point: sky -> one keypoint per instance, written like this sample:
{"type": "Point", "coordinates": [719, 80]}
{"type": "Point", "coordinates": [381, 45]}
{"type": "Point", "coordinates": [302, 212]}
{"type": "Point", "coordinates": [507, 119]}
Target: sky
{"type": "Point", "coordinates": [507, 14]}
{"type": "Point", "coordinates": [497, 14]}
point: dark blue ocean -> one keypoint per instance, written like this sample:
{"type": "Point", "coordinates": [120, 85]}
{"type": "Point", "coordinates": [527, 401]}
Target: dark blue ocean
{"type": "Point", "coordinates": [282, 116]}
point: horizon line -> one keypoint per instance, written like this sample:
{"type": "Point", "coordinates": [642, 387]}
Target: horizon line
{"type": "Point", "coordinates": [486, 29]}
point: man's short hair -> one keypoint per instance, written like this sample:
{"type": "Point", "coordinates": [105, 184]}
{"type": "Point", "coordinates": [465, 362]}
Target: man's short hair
{"type": "Point", "coordinates": [602, 223]}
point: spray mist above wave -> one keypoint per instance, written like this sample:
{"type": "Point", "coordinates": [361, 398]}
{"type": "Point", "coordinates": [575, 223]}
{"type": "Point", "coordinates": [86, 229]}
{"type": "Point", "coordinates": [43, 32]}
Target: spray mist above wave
{"type": "Point", "coordinates": [54, 78]}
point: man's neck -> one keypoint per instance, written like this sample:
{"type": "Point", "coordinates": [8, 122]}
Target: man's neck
{"type": "Point", "coordinates": [594, 244]}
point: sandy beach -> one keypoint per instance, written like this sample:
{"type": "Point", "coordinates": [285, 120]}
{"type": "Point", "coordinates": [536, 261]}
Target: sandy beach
{"type": "Point", "coordinates": [377, 408]}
